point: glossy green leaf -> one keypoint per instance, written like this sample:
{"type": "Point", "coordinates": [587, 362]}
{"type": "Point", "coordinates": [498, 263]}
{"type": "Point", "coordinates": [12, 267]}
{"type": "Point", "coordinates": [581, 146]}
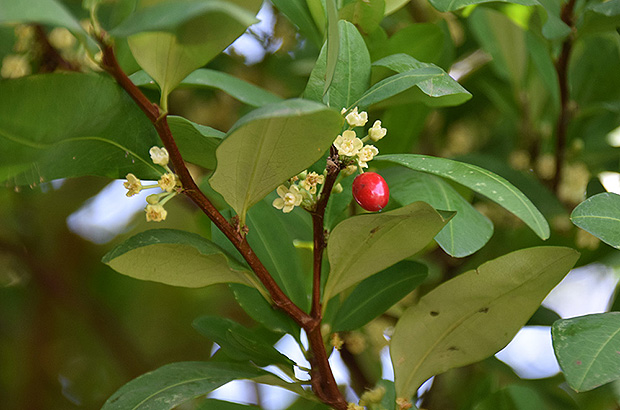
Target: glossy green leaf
{"type": "Point", "coordinates": [513, 397]}
{"type": "Point", "coordinates": [587, 349]}
{"type": "Point", "coordinates": [376, 294]}
{"type": "Point", "coordinates": [466, 233]}
{"type": "Point", "coordinates": [429, 44]}
{"type": "Point", "coordinates": [393, 5]}
{"type": "Point", "coordinates": [444, 89]}
{"type": "Point", "coordinates": [97, 130]}
{"type": "Point", "coordinates": [50, 12]}
{"type": "Point", "coordinates": [481, 181]}
{"type": "Point", "coordinates": [352, 75]}
{"type": "Point", "coordinates": [196, 142]}
{"type": "Point", "coordinates": [214, 404]}
{"type": "Point", "coordinates": [600, 215]}
{"type": "Point", "coordinates": [176, 258]}
{"type": "Point", "coordinates": [176, 383]}
{"type": "Point", "coordinates": [396, 84]}
{"type": "Point", "coordinates": [332, 43]}
{"type": "Point", "coordinates": [298, 13]}
{"type": "Point", "coordinates": [600, 17]}
{"type": "Point", "coordinates": [205, 78]}
{"type": "Point", "coordinates": [268, 146]}
{"type": "Point", "coordinates": [365, 14]}
{"type": "Point", "coordinates": [239, 342]}
{"type": "Point", "coordinates": [363, 245]}
{"type": "Point", "coordinates": [473, 315]}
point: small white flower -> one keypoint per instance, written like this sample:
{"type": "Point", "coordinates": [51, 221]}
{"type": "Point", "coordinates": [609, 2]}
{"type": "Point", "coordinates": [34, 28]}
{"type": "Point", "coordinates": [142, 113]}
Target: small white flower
{"type": "Point", "coordinates": [289, 198]}
{"type": "Point", "coordinates": [366, 154]}
{"type": "Point", "coordinates": [155, 213]}
{"type": "Point", "coordinates": [133, 185]}
{"type": "Point", "coordinates": [356, 119]}
{"type": "Point", "coordinates": [376, 132]}
{"type": "Point", "coordinates": [167, 182]}
{"type": "Point", "coordinates": [348, 144]}
{"type": "Point", "coordinates": [159, 156]}
{"type": "Point", "coordinates": [311, 180]}
{"type": "Point", "coordinates": [15, 66]}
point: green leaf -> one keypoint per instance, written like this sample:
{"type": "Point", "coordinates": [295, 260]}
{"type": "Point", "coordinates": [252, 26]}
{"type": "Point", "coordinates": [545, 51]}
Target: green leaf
{"type": "Point", "coordinates": [363, 245]}
{"type": "Point", "coordinates": [239, 342]}
{"type": "Point", "coordinates": [429, 44]}
{"type": "Point", "coordinates": [393, 5]}
{"type": "Point", "coordinates": [50, 12]}
{"type": "Point", "coordinates": [196, 142]}
{"type": "Point", "coordinates": [481, 181]}
{"type": "Point", "coordinates": [513, 397]}
{"type": "Point", "coordinates": [587, 349]}
{"type": "Point", "coordinates": [205, 78]}
{"type": "Point", "coordinates": [332, 43]}
{"type": "Point", "coordinates": [395, 84]}
{"type": "Point", "coordinates": [213, 404]}
{"type": "Point", "coordinates": [176, 383]}
{"type": "Point", "coordinates": [443, 88]}
{"type": "Point", "coordinates": [298, 13]}
{"type": "Point", "coordinates": [600, 215]}
{"type": "Point", "coordinates": [171, 40]}
{"type": "Point", "coordinates": [365, 14]}
{"type": "Point", "coordinates": [466, 233]}
{"type": "Point", "coordinates": [268, 146]}
{"type": "Point", "coordinates": [97, 130]}
{"type": "Point", "coordinates": [376, 294]}
{"type": "Point", "coordinates": [176, 258]}
{"type": "Point", "coordinates": [352, 75]}
{"type": "Point", "coordinates": [473, 315]}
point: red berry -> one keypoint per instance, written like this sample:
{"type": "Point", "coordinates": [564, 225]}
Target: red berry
{"type": "Point", "coordinates": [371, 191]}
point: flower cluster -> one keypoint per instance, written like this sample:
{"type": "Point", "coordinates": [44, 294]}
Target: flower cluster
{"type": "Point", "coordinates": [301, 191]}
{"type": "Point", "coordinates": [168, 182]}
{"type": "Point", "coordinates": [351, 149]}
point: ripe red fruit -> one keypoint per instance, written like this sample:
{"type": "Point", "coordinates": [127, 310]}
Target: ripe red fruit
{"type": "Point", "coordinates": [371, 191]}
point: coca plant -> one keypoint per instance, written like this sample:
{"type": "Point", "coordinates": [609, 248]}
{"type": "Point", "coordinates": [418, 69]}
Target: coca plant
{"type": "Point", "coordinates": [94, 100]}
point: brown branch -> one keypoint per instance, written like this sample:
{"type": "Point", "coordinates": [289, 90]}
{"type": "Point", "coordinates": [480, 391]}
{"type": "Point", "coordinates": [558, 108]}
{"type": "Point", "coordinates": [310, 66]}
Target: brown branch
{"type": "Point", "coordinates": [564, 117]}
{"type": "Point", "coordinates": [323, 381]}
{"type": "Point", "coordinates": [51, 58]}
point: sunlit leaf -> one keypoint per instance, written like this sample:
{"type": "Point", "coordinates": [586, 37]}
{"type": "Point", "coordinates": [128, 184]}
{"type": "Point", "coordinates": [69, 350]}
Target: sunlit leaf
{"type": "Point", "coordinates": [363, 245]}
{"type": "Point", "coordinates": [174, 257]}
{"type": "Point", "coordinates": [473, 315]}
{"type": "Point", "coordinates": [600, 215]}
{"type": "Point", "coordinates": [176, 383]}
{"type": "Point", "coordinates": [481, 181]}
{"type": "Point", "coordinates": [270, 145]}
{"type": "Point", "coordinates": [587, 348]}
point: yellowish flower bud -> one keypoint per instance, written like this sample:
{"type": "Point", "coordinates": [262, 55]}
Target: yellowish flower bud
{"type": "Point", "coordinates": [133, 185]}
{"type": "Point", "coordinates": [375, 133]}
{"type": "Point", "coordinates": [350, 170]}
{"type": "Point", "coordinates": [336, 341]}
{"type": "Point", "coordinates": [15, 66]}
{"type": "Point", "coordinates": [155, 213]}
{"type": "Point", "coordinates": [153, 199]}
{"type": "Point", "coordinates": [372, 396]}
{"type": "Point", "coordinates": [167, 182]}
{"type": "Point", "coordinates": [337, 188]}
{"type": "Point", "coordinates": [61, 38]}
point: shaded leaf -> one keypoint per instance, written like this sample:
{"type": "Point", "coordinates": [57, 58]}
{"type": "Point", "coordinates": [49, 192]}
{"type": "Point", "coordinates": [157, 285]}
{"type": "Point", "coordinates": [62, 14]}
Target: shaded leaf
{"type": "Point", "coordinates": [97, 130]}
{"type": "Point", "coordinates": [173, 384]}
{"type": "Point", "coordinates": [363, 245]}
{"type": "Point", "coordinates": [298, 13]}
{"type": "Point", "coordinates": [268, 146]}
{"type": "Point", "coordinates": [376, 294]}
{"type": "Point", "coordinates": [600, 215]}
{"type": "Point", "coordinates": [332, 43]}
{"type": "Point", "coordinates": [365, 14]}
{"type": "Point", "coordinates": [177, 258]}
{"type": "Point", "coordinates": [587, 348]}
{"type": "Point", "coordinates": [481, 181]}
{"type": "Point", "coordinates": [196, 142]}
{"type": "Point", "coordinates": [474, 315]}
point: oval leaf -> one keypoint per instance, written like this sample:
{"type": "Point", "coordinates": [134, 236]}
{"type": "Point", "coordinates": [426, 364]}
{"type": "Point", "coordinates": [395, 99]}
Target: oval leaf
{"type": "Point", "coordinates": [176, 258]}
{"type": "Point", "coordinates": [196, 142]}
{"type": "Point", "coordinates": [363, 245]}
{"type": "Point", "coordinates": [588, 349]}
{"type": "Point", "coordinates": [173, 384]}
{"type": "Point", "coordinates": [481, 181]}
{"type": "Point", "coordinates": [474, 315]}
{"type": "Point", "coordinates": [600, 215]}
{"type": "Point", "coordinates": [268, 146]}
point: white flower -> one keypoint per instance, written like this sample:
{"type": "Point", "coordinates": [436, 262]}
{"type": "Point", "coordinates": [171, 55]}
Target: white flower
{"type": "Point", "coordinates": [159, 156]}
{"type": "Point", "coordinates": [376, 132]}
{"type": "Point", "coordinates": [366, 154]}
{"type": "Point", "coordinates": [155, 213]}
{"type": "Point", "coordinates": [133, 185]}
{"type": "Point", "coordinates": [167, 182]}
{"type": "Point", "coordinates": [348, 144]}
{"type": "Point", "coordinates": [61, 38]}
{"type": "Point", "coordinates": [311, 180]}
{"type": "Point", "coordinates": [289, 198]}
{"type": "Point", "coordinates": [356, 119]}
{"type": "Point", "coordinates": [15, 66]}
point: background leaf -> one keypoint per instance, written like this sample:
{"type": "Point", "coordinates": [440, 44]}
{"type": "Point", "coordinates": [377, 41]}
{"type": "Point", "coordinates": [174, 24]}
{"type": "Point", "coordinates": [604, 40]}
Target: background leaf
{"type": "Point", "coordinates": [97, 130]}
{"type": "Point", "coordinates": [600, 215]}
{"type": "Point", "coordinates": [270, 145]}
{"type": "Point", "coordinates": [174, 257]}
{"type": "Point", "coordinates": [587, 349]}
{"type": "Point", "coordinates": [196, 142]}
{"type": "Point", "coordinates": [481, 181]}
{"type": "Point", "coordinates": [474, 315]}
{"type": "Point", "coordinates": [173, 384]}
{"type": "Point", "coordinates": [376, 294]}
{"type": "Point", "coordinates": [363, 245]}
{"type": "Point", "coordinates": [49, 12]}
{"type": "Point", "coordinates": [298, 13]}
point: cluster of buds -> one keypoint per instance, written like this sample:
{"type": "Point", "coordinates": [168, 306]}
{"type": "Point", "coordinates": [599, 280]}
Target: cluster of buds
{"type": "Point", "coordinates": [168, 182]}
{"type": "Point", "coordinates": [352, 149]}
{"type": "Point", "coordinates": [301, 190]}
